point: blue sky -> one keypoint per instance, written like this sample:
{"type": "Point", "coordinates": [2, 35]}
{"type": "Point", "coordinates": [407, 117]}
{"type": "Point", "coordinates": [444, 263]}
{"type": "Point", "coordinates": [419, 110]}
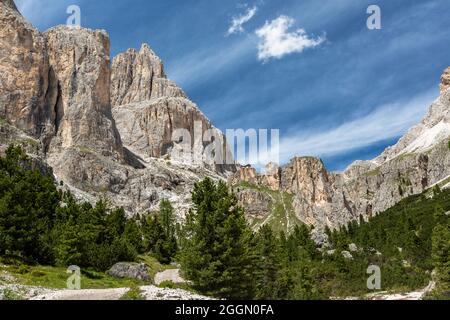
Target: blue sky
{"type": "Point", "coordinates": [336, 90]}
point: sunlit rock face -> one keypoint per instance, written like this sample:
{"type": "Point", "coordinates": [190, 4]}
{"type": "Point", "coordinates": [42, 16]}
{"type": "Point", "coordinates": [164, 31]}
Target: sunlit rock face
{"type": "Point", "coordinates": [26, 95]}
{"type": "Point", "coordinates": [110, 130]}
{"type": "Point", "coordinates": [79, 59]}
{"type": "Point", "coordinates": [57, 93]}
{"type": "Point", "coordinates": [139, 76]}
{"type": "Point", "coordinates": [150, 110]}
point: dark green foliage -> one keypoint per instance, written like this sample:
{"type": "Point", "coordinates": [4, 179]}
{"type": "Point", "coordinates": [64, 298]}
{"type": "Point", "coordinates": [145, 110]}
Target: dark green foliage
{"type": "Point", "coordinates": [412, 238]}
{"type": "Point", "coordinates": [159, 231]}
{"type": "Point", "coordinates": [268, 264]}
{"type": "Point", "coordinates": [441, 253]}
{"type": "Point", "coordinates": [92, 236]}
{"type": "Point", "coordinates": [39, 224]}
{"type": "Point", "coordinates": [27, 208]}
{"type": "Point", "coordinates": [216, 249]}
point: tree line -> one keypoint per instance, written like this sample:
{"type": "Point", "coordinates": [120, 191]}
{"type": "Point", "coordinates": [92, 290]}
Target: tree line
{"type": "Point", "coordinates": [41, 224]}
{"type": "Point", "coordinates": [218, 252]}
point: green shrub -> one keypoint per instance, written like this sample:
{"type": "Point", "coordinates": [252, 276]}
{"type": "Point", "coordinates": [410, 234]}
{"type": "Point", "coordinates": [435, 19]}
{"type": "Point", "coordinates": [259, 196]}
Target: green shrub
{"type": "Point", "coordinates": [168, 284]}
{"type": "Point", "coordinates": [9, 294]}
{"type": "Point", "coordinates": [134, 293]}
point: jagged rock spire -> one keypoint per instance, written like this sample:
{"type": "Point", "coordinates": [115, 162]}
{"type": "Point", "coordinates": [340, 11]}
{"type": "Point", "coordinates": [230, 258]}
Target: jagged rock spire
{"type": "Point", "coordinates": [139, 76]}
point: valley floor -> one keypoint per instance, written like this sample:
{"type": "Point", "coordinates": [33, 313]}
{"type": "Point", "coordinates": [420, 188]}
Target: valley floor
{"type": "Point", "coordinates": [147, 292]}
{"type": "Point", "coordinates": [14, 288]}
{"type": "Point", "coordinates": [22, 282]}
{"type": "Point", "coordinates": [406, 296]}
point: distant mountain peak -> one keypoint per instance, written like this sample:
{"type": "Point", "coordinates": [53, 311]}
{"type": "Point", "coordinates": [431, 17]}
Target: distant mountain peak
{"type": "Point", "coordinates": [445, 80]}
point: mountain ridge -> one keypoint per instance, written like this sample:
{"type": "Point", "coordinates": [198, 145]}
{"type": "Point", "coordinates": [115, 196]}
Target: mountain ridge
{"type": "Point", "coordinates": [419, 160]}
{"type": "Point", "coordinates": [67, 121]}
{"type": "Point", "coordinates": [111, 129]}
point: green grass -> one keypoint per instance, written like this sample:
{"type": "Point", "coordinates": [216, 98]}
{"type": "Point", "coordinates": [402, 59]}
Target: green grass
{"type": "Point", "coordinates": [372, 173]}
{"type": "Point", "coordinates": [85, 150]}
{"type": "Point", "coordinates": [445, 182]}
{"type": "Point", "coordinates": [3, 121]}
{"type": "Point", "coordinates": [134, 293]}
{"type": "Point", "coordinates": [56, 277]}
{"type": "Point", "coordinates": [282, 216]}
{"type": "Point", "coordinates": [153, 265]}
{"type": "Point", "coordinates": [404, 156]}
{"type": "Point", "coordinates": [11, 295]}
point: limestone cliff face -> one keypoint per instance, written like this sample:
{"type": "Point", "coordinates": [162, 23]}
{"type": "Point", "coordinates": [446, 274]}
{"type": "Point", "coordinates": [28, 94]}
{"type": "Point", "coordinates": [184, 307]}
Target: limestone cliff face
{"type": "Point", "coordinates": [307, 179]}
{"type": "Point", "coordinates": [150, 111]}
{"type": "Point", "coordinates": [57, 90]}
{"type": "Point", "coordinates": [139, 76]}
{"type": "Point", "coordinates": [418, 161]}
{"type": "Point", "coordinates": [247, 174]}
{"type": "Point", "coordinates": [113, 131]}
{"type": "Point", "coordinates": [79, 59]}
{"type": "Point", "coordinates": [25, 93]}
{"type": "Point", "coordinates": [445, 81]}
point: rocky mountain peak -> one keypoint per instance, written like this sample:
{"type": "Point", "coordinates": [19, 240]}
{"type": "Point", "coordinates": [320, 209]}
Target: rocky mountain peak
{"type": "Point", "coordinates": [79, 59]}
{"type": "Point", "coordinates": [308, 176]}
{"type": "Point", "coordinates": [149, 109]}
{"type": "Point", "coordinates": [419, 160]}
{"type": "Point", "coordinates": [445, 80]}
{"type": "Point", "coordinates": [433, 129]}
{"type": "Point", "coordinates": [139, 76]}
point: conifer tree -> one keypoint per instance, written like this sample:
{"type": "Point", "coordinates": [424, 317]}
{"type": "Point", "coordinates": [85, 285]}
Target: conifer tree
{"type": "Point", "coordinates": [268, 264]}
{"type": "Point", "coordinates": [216, 251]}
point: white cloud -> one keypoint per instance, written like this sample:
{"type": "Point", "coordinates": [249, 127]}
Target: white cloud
{"type": "Point", "coordinates": [237, 22]}
{"type": "Point", "coordinates": [276, 41]}
{"type": "Point", "coordinates": [385, 122]}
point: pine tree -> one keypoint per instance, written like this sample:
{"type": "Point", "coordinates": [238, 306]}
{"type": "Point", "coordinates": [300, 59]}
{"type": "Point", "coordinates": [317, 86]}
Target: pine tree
{"type": "Point", "coordinates": [28, 201]}
{"type": "Point", "coordinates": [153, 232]}
{"type": "Point", "coordinates": [133, 235]}
{"type": "Point", "coordinates": [159, 232]}
{"type": "Point", "coordinates": [216, 251]}
{"type": "Point", "coordinates": [167, 218]}
{"type": "Point", "coordinates": [441, 256]}
{"type": "Point", "coordinates": [269, 264]}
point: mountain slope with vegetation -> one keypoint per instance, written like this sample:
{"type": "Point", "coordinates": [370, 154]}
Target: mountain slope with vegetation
{"type": "Point", "coordinates": [218, 251]}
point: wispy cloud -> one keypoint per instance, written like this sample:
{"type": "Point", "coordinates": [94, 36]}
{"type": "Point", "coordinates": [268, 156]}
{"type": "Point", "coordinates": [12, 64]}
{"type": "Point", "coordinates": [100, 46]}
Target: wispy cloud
{"type": "Point", "coordinates": [237, 22]}
{"type": "Point", "coordinates": [199, 66]}
{"type": "Point", "coordinates": [276, 40]}
{"type": "Point", "coordinates": [385, 122]}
